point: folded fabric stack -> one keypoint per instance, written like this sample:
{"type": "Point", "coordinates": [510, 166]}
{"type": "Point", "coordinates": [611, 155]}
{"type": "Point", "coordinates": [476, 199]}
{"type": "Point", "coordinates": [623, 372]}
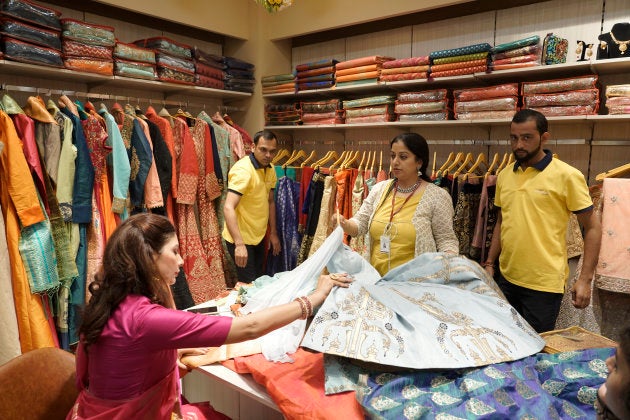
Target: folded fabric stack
{"type": "Point", "coordinates": [516, 54]}
{"type": "Point", "coordinates": [239, 75]}
{"type": "Point", "coordinates": [359, 70]}
{"type": "Point", "coordinates": [428, 105]}
{"type": "Point", "coordinates": [316, 75]}
{"type": "Point", "coordinates": [174, 59]}
{"type": "Point", "coordinates": [405, 69]}
{"type": "Point", "coordinates": [491, 102]}
{"type": "Point", "coordinates": [209, 69]}
{"type": "Point", "coordinates": [88, 47]}
{"type": "Point", "coordinates": [370, 110]}
{"type": "Point", "coordinates": [323, 112]}
{"type": "Point", "coordinates": [282, 114]}
{"type": "Point", "coordinates": [459, 61]}
{"type": "Point", "coordinates": [278, 83]}
{"type": "Point", "coordinates": [562, 97]}
{"type": "Point", "coordinates": [133, 61]}
{"type": "Point", "coordinates": [618, 99]}
{"type": "Point", "coordinates": [31, 33]}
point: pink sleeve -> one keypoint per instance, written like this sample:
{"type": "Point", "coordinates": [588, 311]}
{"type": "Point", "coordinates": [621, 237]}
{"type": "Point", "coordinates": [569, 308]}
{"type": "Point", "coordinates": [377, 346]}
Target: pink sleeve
{"type": "Point", "coordinates": [162, 328]}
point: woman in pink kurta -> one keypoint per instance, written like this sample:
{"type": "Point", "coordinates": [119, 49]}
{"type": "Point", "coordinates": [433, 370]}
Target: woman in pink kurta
{"type": "Point", "coordinates": [127, 357]}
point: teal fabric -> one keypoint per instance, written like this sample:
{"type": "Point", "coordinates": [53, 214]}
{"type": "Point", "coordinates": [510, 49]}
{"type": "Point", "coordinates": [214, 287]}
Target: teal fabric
{"type": "Point", "coordinates": [469, 49]}
{"type": "Point", "coordinates": [530, 40]}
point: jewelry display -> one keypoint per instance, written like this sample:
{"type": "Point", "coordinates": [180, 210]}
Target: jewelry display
{"type": "Point", "coordinates": [623, 45]}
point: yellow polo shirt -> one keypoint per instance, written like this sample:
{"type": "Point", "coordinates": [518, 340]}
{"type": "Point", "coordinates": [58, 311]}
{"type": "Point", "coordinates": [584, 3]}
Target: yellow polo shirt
{"type": "Point", "coordinates": [253, 183]}
{"type": "Point", "coordinates": [535, 207]}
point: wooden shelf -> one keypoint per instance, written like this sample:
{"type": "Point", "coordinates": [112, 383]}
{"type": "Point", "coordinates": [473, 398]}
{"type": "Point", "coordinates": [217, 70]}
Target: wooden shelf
{"type": "Point", "coordinates": [556, 71]}
{"type": "Point", "coordinates": [99, 83]}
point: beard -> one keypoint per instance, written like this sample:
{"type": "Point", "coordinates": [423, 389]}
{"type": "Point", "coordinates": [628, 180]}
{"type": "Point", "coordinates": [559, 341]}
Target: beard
{"type": "Point", "coordinates": [522, 156]}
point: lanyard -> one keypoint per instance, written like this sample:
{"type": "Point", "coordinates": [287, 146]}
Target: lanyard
{"type": "Point", "coordinates": [393, 213]}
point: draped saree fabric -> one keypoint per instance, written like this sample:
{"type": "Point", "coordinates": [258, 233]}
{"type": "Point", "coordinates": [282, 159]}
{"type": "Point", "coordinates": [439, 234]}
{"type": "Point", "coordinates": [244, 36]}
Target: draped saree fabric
{"type": "Point", "coordinates": [436, 311]}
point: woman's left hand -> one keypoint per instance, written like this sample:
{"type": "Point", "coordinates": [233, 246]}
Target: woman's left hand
{"type": "Point", "coordinates": [197, 351]}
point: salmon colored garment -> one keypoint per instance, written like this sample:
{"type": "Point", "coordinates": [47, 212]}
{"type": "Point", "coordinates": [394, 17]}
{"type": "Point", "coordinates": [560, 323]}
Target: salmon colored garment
{"type": "Point", "coordinates": [167, 133]}
{"type": "Point", "coordinates": [20, 204]}
{"type": "Point", "coordinates": [298, 388]}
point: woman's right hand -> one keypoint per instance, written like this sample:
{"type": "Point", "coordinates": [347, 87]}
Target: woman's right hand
{"type": "Point", "coordinates": [325, 284]}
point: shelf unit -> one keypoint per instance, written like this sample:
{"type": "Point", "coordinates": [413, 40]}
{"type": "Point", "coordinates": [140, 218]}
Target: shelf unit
{"type": "Point", "coordinates": [97, 83]}
{"type": "Point", "coordinates": [601, 67]}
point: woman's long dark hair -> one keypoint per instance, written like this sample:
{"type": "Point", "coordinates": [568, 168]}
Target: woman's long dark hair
{"type": "Point", "coordinates": [128, 268]}
{"type": "Point", "coordinates": [419, 147]}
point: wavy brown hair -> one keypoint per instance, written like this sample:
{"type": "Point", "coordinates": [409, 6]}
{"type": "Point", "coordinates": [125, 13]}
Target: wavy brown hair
{"type": "Point", "coordinates": [128, 269]}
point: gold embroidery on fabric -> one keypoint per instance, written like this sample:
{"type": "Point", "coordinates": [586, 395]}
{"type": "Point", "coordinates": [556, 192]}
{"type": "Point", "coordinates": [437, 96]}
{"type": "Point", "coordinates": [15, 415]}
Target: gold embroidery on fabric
{"type": "Point", "coordinates": [502, 397]}
{"type": "Point", "coordinates": [553, 387]}
{"type": "Point", "coordinates": [525, 391]}
{"type": "Point", "coordinates": [363, 311]}
{"type": "Point", "coordinates": [439, 381]}
{"type": "Point", "coordinates": [598, 366]}
{"type": "Point", "coordinates": [543, 365]}
{"type": "Point", "coordinates": [411, 391]}
{"type": "Point", "coordinates": [587, 395]}
{"type": "Point", "coordinates": [574, 374]}
{"type": "Point", "coordinates": [414, 410]}
{"type": "Point", "coordinates": [382, 403]}
{"type": "Point", "coordinates": [442, 398]}
{"type": "Point", "coordinates": [571, 410]}
{"type": "Point", "coordinates": [494, 373]}
{"type": "Point", "coordinates": [464, 334]}
{"type": "Point", "coordinates": [469, 385]}
{"type": "Point", "coordinates": [478, 407]}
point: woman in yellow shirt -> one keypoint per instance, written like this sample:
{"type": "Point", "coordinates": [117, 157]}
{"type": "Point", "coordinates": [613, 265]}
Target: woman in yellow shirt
{"type": "Point", "coordinates": [405, 216]}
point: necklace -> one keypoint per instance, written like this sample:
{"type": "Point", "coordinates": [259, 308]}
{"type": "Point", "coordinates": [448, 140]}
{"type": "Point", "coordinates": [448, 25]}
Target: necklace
{"type": "Point", "coordinates": [623, 45]}
{"type": "Point", "coordinates": [409, 189]}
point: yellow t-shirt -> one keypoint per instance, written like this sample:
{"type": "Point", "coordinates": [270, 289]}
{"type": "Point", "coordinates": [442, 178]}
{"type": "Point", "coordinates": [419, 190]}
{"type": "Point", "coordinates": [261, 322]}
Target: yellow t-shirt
{"type": "Point", "coordinates": [402, 234]}
{"type": "Point", "coordinates": [253, 183]}
{"type": "Point", "coordinates": [535, 207]}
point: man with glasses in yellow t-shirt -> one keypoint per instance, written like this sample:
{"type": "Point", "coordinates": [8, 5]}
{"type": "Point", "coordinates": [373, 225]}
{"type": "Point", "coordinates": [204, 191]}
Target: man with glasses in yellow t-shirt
{"type": "Point", "coordinates": [250, 207]}
{"type": "Point", "coordinates": [535, 198]}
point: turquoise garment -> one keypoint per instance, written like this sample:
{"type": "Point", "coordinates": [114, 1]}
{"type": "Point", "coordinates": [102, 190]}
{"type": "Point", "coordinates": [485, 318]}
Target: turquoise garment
{"type": "Point", "coordinates": [118, 162]}
{"type": "Point", "coordinates": [543, 386]}
{"type": "Point", "coordinates": [436, 311]}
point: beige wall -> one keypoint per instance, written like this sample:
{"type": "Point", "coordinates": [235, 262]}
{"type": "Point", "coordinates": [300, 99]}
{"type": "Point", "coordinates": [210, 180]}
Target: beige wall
{"type": "Point", "coordinates": [226, 18]}
{"type": "Point", "coordinates": [309, 16]}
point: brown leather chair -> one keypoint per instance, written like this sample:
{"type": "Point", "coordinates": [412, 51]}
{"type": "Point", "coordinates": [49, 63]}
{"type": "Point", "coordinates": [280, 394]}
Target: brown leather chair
{"type": "Point", "coordinates": [39, 384]}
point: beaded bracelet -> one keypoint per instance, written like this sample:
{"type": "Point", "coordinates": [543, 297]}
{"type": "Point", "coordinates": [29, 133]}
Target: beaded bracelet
{"type": "Point", "coordinates": [306, 306]}
{"type": "Point", "coordinates": [487, 264]}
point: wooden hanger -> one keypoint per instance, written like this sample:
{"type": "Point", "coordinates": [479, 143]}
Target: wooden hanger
{"type": "Point", "coordinates": [467, 161]}
{"type": "Point", "coordinates": [329, 156]}
{"type": "Point", "coordinates": [459, 159]}
{"type": "Point", "coordinates": [283, 153]}
{"type": "Point", "coordinates": [351, 160]}
{"type": "Point", "coordinates": [380, 162]}
{"type": "Point", "coordinates": [504, 162]}
{"type": "Point", "coordinates": [299, 155]}
{"type": "Point", "coordinates": [433, 167]}
{"type": "Point", "coordinates": [618, 172]}
{"type": "Point", "coordinates": [510, 159]}
{"type": "Point", "coordinates": [481, 159]}
{"type": "Point", "coordinates": [363, 160]}
{"type": "Point", "coordinates": [341, 158]}
{"type": "Point", "coordinates": [445, 165]}
{"type": "Point", "coordinates": [308, 159]}
{"type": "Point", "coordinates": [493, 164]}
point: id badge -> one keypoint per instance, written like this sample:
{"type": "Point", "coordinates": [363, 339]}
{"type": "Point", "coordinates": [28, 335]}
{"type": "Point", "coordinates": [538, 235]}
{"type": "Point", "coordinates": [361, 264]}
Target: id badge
{"type": "Point", "coordinates": [385, 244]}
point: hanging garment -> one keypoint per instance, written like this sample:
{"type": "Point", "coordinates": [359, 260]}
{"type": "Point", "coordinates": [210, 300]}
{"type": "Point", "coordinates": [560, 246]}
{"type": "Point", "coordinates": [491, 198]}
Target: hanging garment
{"type": "Point", "coordinates": [167, 135]}
{"type": "Point", "coordinates": [326, 211]}
{"type": "Point", "coordinates": [313, 203]}
{"type": "Point", "coordinates": [190, 245]}
{"type": "Point", "coordinates": [486, 219]}
{"type": "Point", "coordinates": [66, 165]}
{"type": "Point", "coordinates": [358, 194]}
{"type": "Point", "coordinates": [9, 334]}
{"type": "Point", "coordinates": [152, 188]}
{"type": "Point", "coordinates": [119, 165]}
{"type": "Point", "coordinates": [207, 191]}
{"type": "Point", "coordinates": [20, 205]}
{"type": "Point", "coordinates": [287, 196]}
{"type": "Point", "coordinates": [305, 181]}
{"type": "Point", "coordinates": [466, 214]}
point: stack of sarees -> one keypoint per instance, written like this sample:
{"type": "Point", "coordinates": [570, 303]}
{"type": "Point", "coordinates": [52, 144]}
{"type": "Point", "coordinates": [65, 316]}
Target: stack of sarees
{"type": "Point", "coordinates": [209, 69]}
{"type": "Point", "coordinates": [239, 75]}
{"type": "Point", "coordinates": [373, 109]}
{"type": "Point", "coordinates": [562, 97]}
{"type": "Point", "coordinates": [411, 68]}
{"type": "Point", "coordinates": [459, 61]}
{"type": "Point", "coordinates": [322, 112]}
{"type": "Point", "coordinates": [618, 99]}
{"type": "Point", "coordinates": [359, 70]}
{"type": "Point", "coordinates": [491, 102]}
{"type": "Point", "coordinates": [88, 47]}
{"type": "Point", "coordinates": [282, 114]}
{"type": "Point", "coordinates": [316, 75]}
{"type": "Point", "coordinates": [428, 105]}
{"type": "Point", "coordinates": [516, 54]}
{"type": "Point", "coordinates": [278, 83]}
